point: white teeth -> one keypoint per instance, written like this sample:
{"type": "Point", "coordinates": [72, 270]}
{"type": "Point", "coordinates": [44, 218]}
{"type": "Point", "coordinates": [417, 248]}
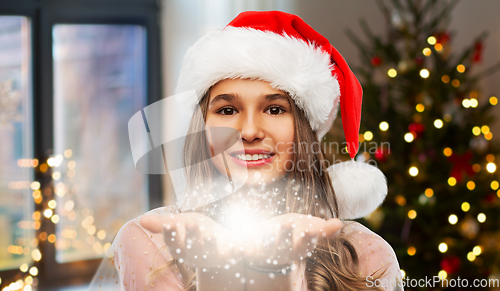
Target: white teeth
{"type": "Point", "coordinates": [254, 157]}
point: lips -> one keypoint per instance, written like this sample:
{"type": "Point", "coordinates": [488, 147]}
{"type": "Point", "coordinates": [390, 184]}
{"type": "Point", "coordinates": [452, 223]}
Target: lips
{"type": "Point", "coordinates": [252, 157]}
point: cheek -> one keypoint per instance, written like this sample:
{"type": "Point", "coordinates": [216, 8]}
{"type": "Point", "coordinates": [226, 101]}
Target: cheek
{"type": "Point", "coordinates": [283, 137]}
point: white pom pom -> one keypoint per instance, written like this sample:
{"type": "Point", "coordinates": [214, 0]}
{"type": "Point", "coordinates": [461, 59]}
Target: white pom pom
{"type": "Point", "coordinates": [360, 188]}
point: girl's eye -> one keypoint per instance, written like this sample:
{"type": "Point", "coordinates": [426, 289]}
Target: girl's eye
{"type": "Point", "coordinates": [227, 111]}
{"type": "Point", "coordinates": [276, 110]}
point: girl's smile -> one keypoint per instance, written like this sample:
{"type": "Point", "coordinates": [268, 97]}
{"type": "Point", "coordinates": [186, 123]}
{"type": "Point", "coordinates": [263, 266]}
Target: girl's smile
{"type": "Point", "coordinates": [263, 117]}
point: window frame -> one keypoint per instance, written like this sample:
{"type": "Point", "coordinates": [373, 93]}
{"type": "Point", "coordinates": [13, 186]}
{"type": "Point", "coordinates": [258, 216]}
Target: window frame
{"type": "Point", "coordinates": [43, 14]}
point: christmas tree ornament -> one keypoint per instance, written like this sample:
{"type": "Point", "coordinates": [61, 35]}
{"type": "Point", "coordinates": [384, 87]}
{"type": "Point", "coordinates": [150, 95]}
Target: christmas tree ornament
{"type": "Point", "coordinates": [376, 61]}
{"type": "Point", "coordinates": [282, 49]}
{"type": "Point", "coordinates": [477, 55]}
{"type": "Point", "coordinates": [450, 264]}
{"type": "Point", "coordinates": [461, 164]}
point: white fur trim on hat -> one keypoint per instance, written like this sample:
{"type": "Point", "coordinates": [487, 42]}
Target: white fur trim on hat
{"type": "Point", "coordinates": [359, 187]}
{"type": "Point", "coordinates": [287, 63]}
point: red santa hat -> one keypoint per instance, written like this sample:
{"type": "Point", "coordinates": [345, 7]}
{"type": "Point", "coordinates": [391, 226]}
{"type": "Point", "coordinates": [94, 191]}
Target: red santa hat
{"type": "Point", "coordinates": [282, 49]}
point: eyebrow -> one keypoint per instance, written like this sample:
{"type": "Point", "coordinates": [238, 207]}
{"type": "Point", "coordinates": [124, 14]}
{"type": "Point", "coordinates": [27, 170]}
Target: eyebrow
{"type": "Point", "coordinates": [232, 97]}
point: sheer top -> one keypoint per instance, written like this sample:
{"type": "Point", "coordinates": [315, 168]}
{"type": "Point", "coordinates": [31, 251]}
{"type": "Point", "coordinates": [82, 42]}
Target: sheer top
{"type": "Point", "coordinates": [135, 252]}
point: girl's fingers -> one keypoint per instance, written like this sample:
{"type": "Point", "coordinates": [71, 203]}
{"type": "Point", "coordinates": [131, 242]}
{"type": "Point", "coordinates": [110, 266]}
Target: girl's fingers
{"type": "Point", "coordinates": [332, 228]}
{"type": "Point", "coordinates": [155, 223]}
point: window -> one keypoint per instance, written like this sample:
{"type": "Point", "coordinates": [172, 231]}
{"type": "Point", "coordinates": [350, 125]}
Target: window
{"type": "Point", "coordinates": [72, 73]}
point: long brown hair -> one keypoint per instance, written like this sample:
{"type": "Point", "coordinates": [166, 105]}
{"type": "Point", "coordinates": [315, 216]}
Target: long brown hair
{"type": "Point", "coordinates": [334, 263]}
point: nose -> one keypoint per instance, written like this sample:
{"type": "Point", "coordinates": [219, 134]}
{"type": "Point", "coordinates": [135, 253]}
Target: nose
{"type": "Point", "coordinates": [251, 127]}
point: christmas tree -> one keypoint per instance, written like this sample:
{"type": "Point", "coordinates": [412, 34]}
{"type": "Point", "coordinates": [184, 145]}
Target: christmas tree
{"type": "Point", "coordinates": [430, 121]}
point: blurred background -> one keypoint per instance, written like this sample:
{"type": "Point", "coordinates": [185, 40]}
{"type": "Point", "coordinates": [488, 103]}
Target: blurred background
{"type": "Point", "coordinates": [73, 72]}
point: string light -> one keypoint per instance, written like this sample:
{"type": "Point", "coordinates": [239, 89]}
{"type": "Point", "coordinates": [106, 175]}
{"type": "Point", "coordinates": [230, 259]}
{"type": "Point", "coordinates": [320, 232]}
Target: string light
{"type": "Point", "coordinates": [471, 257]}
{"type": "Point", "coordinates": [368, 135]}
{"type": "Point", "coordinates": [447, 152]}
{"type": "Point", "coordinates": [429, 192]}
{"type": "Point", "coordinates": [481, 217]}
{"type": "Point", "coordinates": [476, 130]}
{"type": "Point", "coordinates": [466, 103]}
{"type": "Point", "coordinates": [412, 214]}
{"type": "Point", "coordinates": [443, 247]}
{"type": "Point", "coordinates": [477, 250]}
{"type": "Point", "coordinates": [413, 171]}
{"type": "Point", "coordinates": [476, 168]}
{"type": "Point", "coordinates": [461, 68]}
{"type": "Point", "coordinates": [409, 137]}
{"type": "Point", "coordinates": [411, 251]}
{"type": "Point", "coordinates": [485, 129]}
{"type": "Point", "coordinates": [431, 40]}
{"type": "Point", "coordinates": [426, 51]}
{"type": "Point", "coordinates": [445, 79]}
{"type": "Point", "coordinates": [453, 219]}
{"type": "Point", "coordinates": [455, 83]}
{"type": "Point", "coordinates": [447, 117]}
{"type": "Point", "coordinates": [465, 206]}
{"type": "Point", "coordinates": [438, 123]}
{"type": "Point", "coordinates": [424, 73]}
{"type": "Point", "coordinates": [392, 73]}
{"type": "Point", "coordinates": [384, 126]}
{"type": "Point", "coordinates": [493, 100]}
{"type": "Point", "coordinates": [420, 107]}
{"type": "Point", "coordinates": [474, 103]}
{"type": "Point", "coordinates": [442, 274]}
{"type": "Point", "coordinates": [491, 167]}
{"type": "Point", "coordinates": [438, 47]}
{"type": "Point", "coordinates": [471, 185]}
{"type": "Point", "coordinates": [452, 181]}
{"type": "Point", "coordinates": [494, 185]}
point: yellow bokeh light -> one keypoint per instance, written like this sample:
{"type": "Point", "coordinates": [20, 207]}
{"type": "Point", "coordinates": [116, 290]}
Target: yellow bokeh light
{"type": "Point", "coordinates": [488, 136]}
{"type": "Point", "coordinates": [473, 102]}
{"type": "Point", "coordinates": [101, 234]}
{"type": "Point", "coordinates": [493, 100]}
{"type": "Point", "coordinates": [452, 219]}
{"type": "Point", "coordinates": [491, 167]}
{"type": "Point", "coordinates": [490, 158]}
{"type": "Point", "coordinates": [431, 40]}
{"type": "Point", "coordinates": [461, 68]}
{"type": "Point", "coordinates": [413, 171]}
{"type": "Point", "coordinates": [409, 137]}
{"type": "Point", "coordinates": [429, 192]}
{"type": "Point", "coordinates": [452, 181]}
{"type": "Point", "coordinates": [485, 129]}
{"type": "Point", "coordinates": [383, 126]}
{"type": "Point", "coordinates": [465, 206]}
{"type": "Point", "coordinates": [455, 83]}
{"type": "Point", "coordinates": [477, 250]}
{"type": "Point", "coordinates": [443, 247]}
{"type": "Point", "coordinates": [55, 218]}
{"type": "Point", "coordinates": [438, 47]}
{"type": "Point", "coordinates": [447, 152]}
{"type": "Point", "coordinates": [412, 214]}
{"type": "Point", "coordinates": [471, 257]}
{"type": "Point", "coordinates": [400, 200]}
{"type": "Point", "coordinates": [424, 73]}
{"type": "Point", "coordinates": [52, 204]}
{"type": "Point", "coordinates": [36, 255]}
{"type": "Point", "coordinates": [471, 185]}
{"type": "Point", "coordinates": [481, 217]}
{"type": "Point", "coordinates": [51, 238]}
{"type": "Point", "coordinates": [411, 251]}
{"type": "Point", "coordinates": [447, 117]}
{"type": "Point", "coordinates": [476, 168]}
{"type": "Point", "coordinates": [426, 51]}
{"type": "Point", "coordinates": [47, 213]}
{"type": "Point", "coordinates": [35, 185]}
{"type": "Point", "coordinates": [368, 135]}
{"type": "Point", "coordinates": [476, 130]}
{"type": "Point", "coordinates": [34, 271]}
{"type": "Point", "coordinates": [392, 73]}
{"type": "Point", "coordinates": [438, 123]}
{"type": "Point", "coordinates": [466, 103]}
{"type": "Point", "coordinates": [445, 79]}
{"type": "Point", "coordinates": [24, 268]}
{"type": "Point", "coordinates": [494, 185]}
{"type": "Point", "coordinates": [420, 107]}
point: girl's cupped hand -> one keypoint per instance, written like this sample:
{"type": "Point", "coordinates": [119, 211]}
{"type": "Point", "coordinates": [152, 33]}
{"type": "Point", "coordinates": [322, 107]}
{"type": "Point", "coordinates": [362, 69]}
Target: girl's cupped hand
{"type": "Point", "coordinates": [201, 242]}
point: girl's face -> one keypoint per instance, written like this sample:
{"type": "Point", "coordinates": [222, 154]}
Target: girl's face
{"type": "Point", "coordinates": [264, 119]}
